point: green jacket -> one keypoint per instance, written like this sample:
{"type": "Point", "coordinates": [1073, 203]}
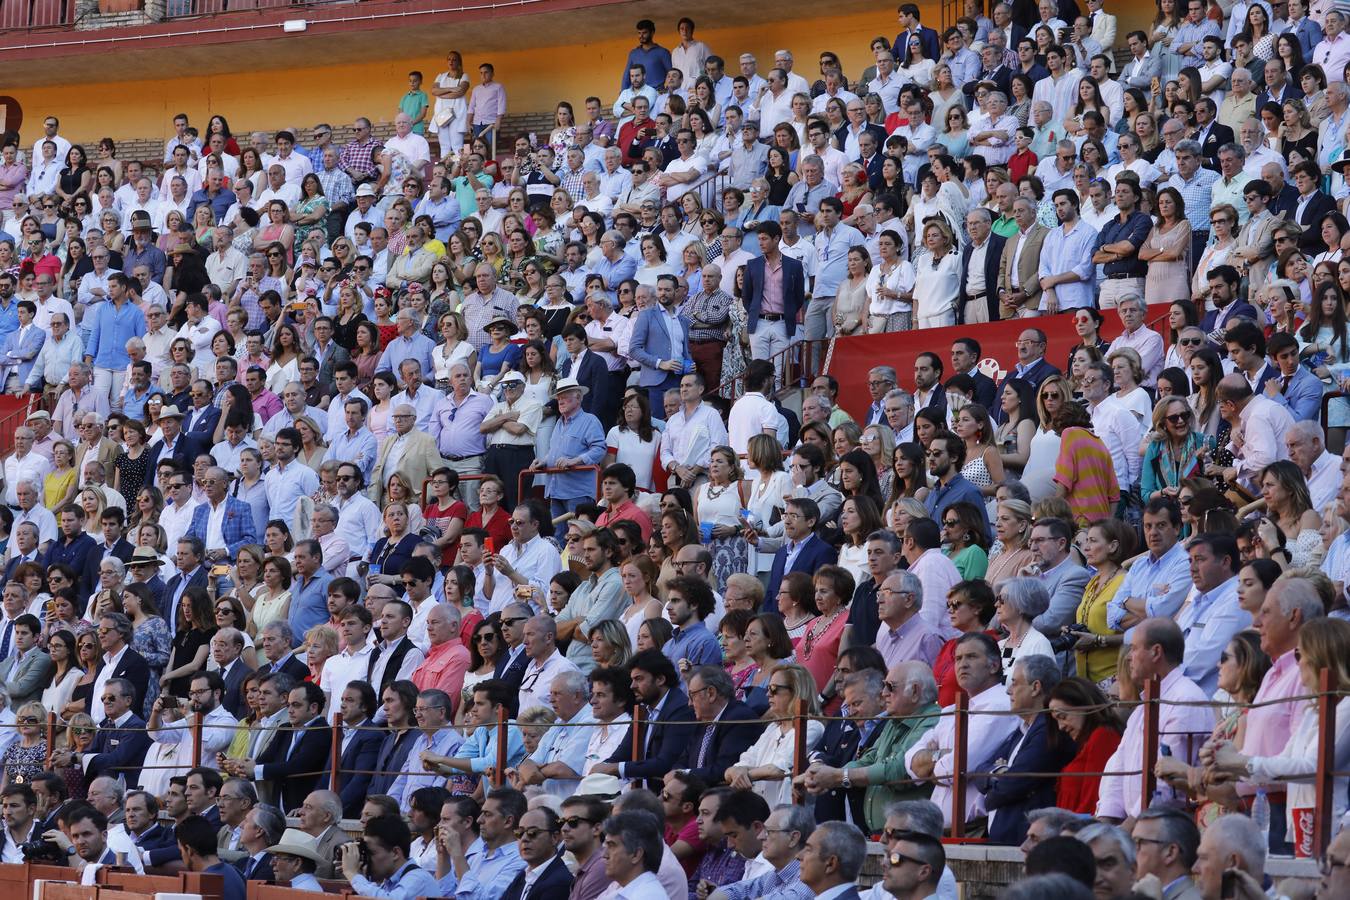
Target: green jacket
{"type": "Point", "coordinates": [884, 763]}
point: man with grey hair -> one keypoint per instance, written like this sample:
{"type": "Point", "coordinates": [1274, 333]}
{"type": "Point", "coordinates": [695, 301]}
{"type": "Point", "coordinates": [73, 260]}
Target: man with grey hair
{"type": "Point", "coordinates": [436, 736]}
{"type": "Point", "coordinates": [1009, 795]}
{"type": "Point", "coordinates": [832, 860]}
{"type": "Point", "coordinates": [816, 408]}
{"type": "Point", "coordinates": [61, 359]}
{"type": "Point", "coordinates": [905, 634]}
{"type": "Point", "coordinates": [30, 509]}
{"type": "Point", "coordinates": [1239, 104]}
{"type": "Point", "coordinates": [24, 464]}
{"type": "Point", "coordinates": [732, 727]}
{"type": "Point", "coordinates": [1137, 336]}
{"type": "Point", "coordinates": [546, 662]}
{"type": "Point", "coordinates": [995, 140]}
{"type": "Point", "coordinates": [805, 196]}
{"type": "Point", "coordinates": [1306, 442]}
{"type": "Point", "coordinates": [898, 408]}
{"type": "Point", "coordinates": [293, 406]}
{"type": "Point", "coordinates": [881, 380]}
{"type": "Point", "coordinates": [785, 832]}
{"type": "Point", "coordinates": [1231, 842]}
{"type": "Point", "coordinates": [910, 693]}
{"type": "Point", "coordinates": [222, 523]}
{"type": "Point", "coordinates": [559, 760]}
{"type": "Point", "coordinates": [977, 298]}
{"type": "Point", "coordinates": [1043, 824]}
{"type": "Point", "coordinates": [1165, 841]}
{"type": "Point", "coordinates": [1194, 182]}
{"type": "Point", "coordinates": [262, 828]}
{"type": "Point", "coordinates": [1113, 849]}
{"type": "Point", "coordinates": [323, 528]}
{"type": "Point", "coordinates": [920, 816]}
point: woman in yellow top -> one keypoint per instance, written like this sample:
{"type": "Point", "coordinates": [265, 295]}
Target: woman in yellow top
{"type": "Point", "coordinates": [59, 487]}
{"type": "Point", "coordinates": [1108, 544]}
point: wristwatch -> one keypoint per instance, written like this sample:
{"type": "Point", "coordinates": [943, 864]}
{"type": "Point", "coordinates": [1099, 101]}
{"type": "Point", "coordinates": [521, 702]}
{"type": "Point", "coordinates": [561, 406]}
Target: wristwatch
{"type": "Point", "coordinates": [847, 782]}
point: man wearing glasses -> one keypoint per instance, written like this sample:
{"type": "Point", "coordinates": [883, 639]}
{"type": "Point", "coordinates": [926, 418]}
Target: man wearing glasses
{"type": "Point", "coordinates": [914, 867]}
{"type": "Point", "coordinates": [582, 818]}
{"type": "Point", "coordinates": [171, 727]}
{"type": "Point", "coordinates": [511, 664]}
{"type": "Point", "coordinates": [121, 742]}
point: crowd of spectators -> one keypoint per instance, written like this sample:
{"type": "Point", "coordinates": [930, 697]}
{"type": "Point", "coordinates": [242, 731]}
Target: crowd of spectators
{"type": "Point", "coordinates": [412, 437]}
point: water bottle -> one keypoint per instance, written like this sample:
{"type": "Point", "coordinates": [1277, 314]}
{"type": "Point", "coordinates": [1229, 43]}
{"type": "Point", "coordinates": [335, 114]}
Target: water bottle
{"type": "Point", "coordinates": [1261, 815]}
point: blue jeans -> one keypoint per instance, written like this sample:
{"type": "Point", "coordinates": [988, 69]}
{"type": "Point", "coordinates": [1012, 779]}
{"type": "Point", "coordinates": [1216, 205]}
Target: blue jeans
{"type": "Point", "coordinates": [561, 506]}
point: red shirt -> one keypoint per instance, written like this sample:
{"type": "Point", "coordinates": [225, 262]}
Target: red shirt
{"type": "Point", "coordinates": [1019, 164]}
{"type": "Point", "coordinates": [1079, 793]}
{"type": "Point", "coordinates": [498, 527]}
{"type": "Point", "coordinates": [457, 510]}
{"type": "Point", "coordinates": [631, 511]}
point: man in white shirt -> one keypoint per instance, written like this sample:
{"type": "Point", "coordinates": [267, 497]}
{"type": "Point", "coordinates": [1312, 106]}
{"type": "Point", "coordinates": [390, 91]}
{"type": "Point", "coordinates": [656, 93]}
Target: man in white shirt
{"type": "Point", "coordinates": [359, 521]}
{"type": "Point", "coordinates": [278, 188]}
{"type": "Point", "coordinates": [24, 464]}
{"type": "Point", "coordinates": [546, 662]}
{"type": "Point", "coordinates": [754, 413]}
{"type": "Point", "coordinates": [528, 559]}
{"type": "Point", "coordinates": [1113, 422]}
{"type": "Point", "coordinates": [408, 142]}
{"type": "Point", "coordinates": [295, 165]}
{"type": "Point", "coordinates": [1258, 428]}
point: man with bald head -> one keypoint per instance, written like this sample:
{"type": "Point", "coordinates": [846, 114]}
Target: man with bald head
{"type": "Point", "coordinates": [546, 662]}
{"type": "Point", "coordinates": [709, 312]}
{"type": "Point", "coordinates": [447, 659]}
{"type": "Point", "coordinates": [222, 523]}
{"type": "Point", "coordinates": [293, 406]}
{"type": "Point", "coordinates": [1258, 425]}
{"type": "Point", "coordinates": [411, 344]}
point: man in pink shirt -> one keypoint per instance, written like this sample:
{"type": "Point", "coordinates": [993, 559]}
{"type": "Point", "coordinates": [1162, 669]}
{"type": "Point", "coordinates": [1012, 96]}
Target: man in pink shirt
{"type": "Point", "coordinates": [1157, 649]}
{"type": "Point", "coordinates": [448, 658]}
{"type": "Point", "coordinates": [1288, 606]}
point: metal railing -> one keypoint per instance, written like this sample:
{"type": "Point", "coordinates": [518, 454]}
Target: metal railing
{"type": "Point", "coordinates": [18, 14]}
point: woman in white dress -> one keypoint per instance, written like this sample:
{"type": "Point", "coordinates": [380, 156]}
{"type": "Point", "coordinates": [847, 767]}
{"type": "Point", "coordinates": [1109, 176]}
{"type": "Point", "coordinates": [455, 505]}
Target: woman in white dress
{"type": "Point", "coordinates": [1223, 226]}
{"type": "Point", "coordinates": [922, 207]}
{"type": "Point", "coordinates": [915, 68]}
{"type": "Point", "coordinates": [1131, 161]}
{"type": "Point", "coordinates": [61, 646]}
{"type": "Point", "coordinates": [890, 288]}
{"type": "Point", "coordinates": [717, 510]}
{"type": "Point", "coordinates": [766, 767]}
{"type": "Point", "coordinates": [937, 279]}
{"type": "Point", "coordinates": [1128, 370]}
{"type": "Point", "coordinates": [452, 349]}
{"type": "Point", "coordinates": [766, 486]}
{"type": "Point", "coordinates": [953, 196]}
{"type": "Point", "coordinates": [1039, 472]}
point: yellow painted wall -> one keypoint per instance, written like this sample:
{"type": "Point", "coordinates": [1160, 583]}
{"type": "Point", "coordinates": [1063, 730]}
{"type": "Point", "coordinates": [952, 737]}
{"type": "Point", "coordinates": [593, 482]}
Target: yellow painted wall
{"type": "Point", "coordinates": [535, 80]}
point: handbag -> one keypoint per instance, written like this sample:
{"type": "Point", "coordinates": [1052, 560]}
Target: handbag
{"type": "Point", "coordinates": [443, 117]}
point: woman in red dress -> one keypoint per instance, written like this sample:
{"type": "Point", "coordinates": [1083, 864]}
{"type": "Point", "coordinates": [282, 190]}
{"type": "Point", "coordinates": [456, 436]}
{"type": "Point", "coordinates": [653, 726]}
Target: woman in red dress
{"type": "Point", "coordinates": [490, 516]}
{"type": "Point", "coordinates": [1084, 718]}
{"type": "Point", "coordinates": [970, 606]}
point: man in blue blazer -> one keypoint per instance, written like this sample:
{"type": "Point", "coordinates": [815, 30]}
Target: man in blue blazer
{"type": "Point", "coordinates": [177, 445]}
{"type": "Point", "coordinates": [538, 842]}
{"type": "Point", "coordinates": [1009, 796]}
{"type": "Point", "coordinates": [358, 705]}
{"type": "Point", "coordinates": [660, 341]}
{"type": "Point", "coordinates": [665, 732]}
{"type": "Point", "coordinates": [979, 222]}
{"type": "Point", "coordinates": [121, 742]}
{"type": "Point", "coordinates": [236, 523]}
{"type": "Point", "coordinates": [802, 550]}
{"type": "Point", "coordinates": [928, 38]}
{"type": "Point", "coordinates": [21, 347]}
{"type": "Point", "coordinates": [771, 331]}
{"type": "Point", "coordinates": [202, 416]}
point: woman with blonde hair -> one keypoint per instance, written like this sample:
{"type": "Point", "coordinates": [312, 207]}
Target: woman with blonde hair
{"type": "Point", "coordinates": [1012, 527]}
{"type": "Point", "coordinates": [321, 645]}
{"type": "Point", "coordinates": [453, 348]}
{"type": "Point", "coordinates": [1128, 370]}
{"type": "Point", "coordinates": [26, 758]}
{"type": "Point", "coordinates": [1039, 471]}
{"type": "Point", "coordinates": [312, 446]}
{"type": "Point", "coordinates": [937, 276]}
{"type": "Point", "coordinates": [1289, 511]}
{"type": "Point", "coordinates": [766, 766]}
{"type": "Point", "coordinates": [60, 484]}
{"type": "Point", "coordinates": [717, 510]}
{"type": "Point", "coordinates": [638, 576]}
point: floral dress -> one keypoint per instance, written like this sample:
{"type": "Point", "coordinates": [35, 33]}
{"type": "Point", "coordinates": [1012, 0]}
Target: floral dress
{"type": "Point", "coordinates": [317, 203]}
{"type": "Point", "coordinates": [152, 640]}
{"type": "Point", "coordinates": [22, 764]}
{"type": "Point", "coordinates": [733, 354]}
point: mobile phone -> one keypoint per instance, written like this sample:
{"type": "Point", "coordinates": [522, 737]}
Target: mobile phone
{"type": "Point", "coordinates": [219, 570]}
{"type": "Point", "coordinates": [1228, 886]}
{"type": "Point", "coordinates": [489, 546]}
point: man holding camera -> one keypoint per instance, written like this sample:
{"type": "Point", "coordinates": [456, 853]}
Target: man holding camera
{"type": "Point", "coordinates": [378, 865]}
{"type": "Point", "coordinates": [18, 810]}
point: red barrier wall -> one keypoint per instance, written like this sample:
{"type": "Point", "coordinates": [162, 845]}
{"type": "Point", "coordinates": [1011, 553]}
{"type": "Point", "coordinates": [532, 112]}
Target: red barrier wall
{"type": "Point", "coordinates": [854, 356]}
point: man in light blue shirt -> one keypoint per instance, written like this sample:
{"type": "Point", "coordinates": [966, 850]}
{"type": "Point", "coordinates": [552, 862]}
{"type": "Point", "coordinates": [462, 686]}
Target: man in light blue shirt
{"type": "Point", "coordinates": [356, 444]}
{"type": "Point", "coordinates": [561, 755]}
{"type": "Point", "coordinates": [432, 711]}
{"type": "Point", "coordinates": [833, 240]}
{"type": "Point", "coordinates": [688, 602]}
{"type": "Point", "coordinates": [289, 479]}
{"type": "Point", "coordinates": [116, 321]}
{"type": "Point", "coordinates": [1212, 617]}
{"type": "Point", "coordinates": [578, 440]}
{"type": "Point", "coordinates": [388, 873]}
{"type": "Point", "coordinates": [1067, 275]}
{"type": "Point", "coordinates": [1158, 582]}
{"type": "Point", "coordinates": [492, 872]}
{"type": "Point", "coordinates": [479, 750]}
{"type": "Point", "coordinates": [410, 344]}
{"type": "Point", "coordinates": [441, 206]}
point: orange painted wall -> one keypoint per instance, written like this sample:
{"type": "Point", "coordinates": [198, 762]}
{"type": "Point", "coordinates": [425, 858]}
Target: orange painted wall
{"type": "Point", "coordinates": [535, 80]}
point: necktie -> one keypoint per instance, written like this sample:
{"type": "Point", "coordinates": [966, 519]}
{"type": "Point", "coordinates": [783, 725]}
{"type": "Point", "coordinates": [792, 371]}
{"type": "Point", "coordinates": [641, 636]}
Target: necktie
{"type": "Point", "coordinates": [1284, 389]}
{"type": "Point", "coordinates": [4, 644]}
{"type": "Point", "coordinates": [706, 745]}
{"type": "Point", "coordinates": [248, 869]}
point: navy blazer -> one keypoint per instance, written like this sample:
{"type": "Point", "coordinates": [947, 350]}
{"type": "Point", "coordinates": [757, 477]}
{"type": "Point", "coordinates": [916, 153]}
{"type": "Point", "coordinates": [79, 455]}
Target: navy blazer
{"type": "Point", "coordinates": [554, 883]}
{"type": "Point", "coordinates": [986, 392]}
{"type": "Point", "coordinates": [1310, 241]}
{"type": "Point", "coordinates": [873, 168]}
{"type": "Point", "coordinates": [513, 675]}
{"type": "Point", "coordinates": [1241, 310]}
{"type": "Point", "coordinates": [198, 579]}
{"type": "Point", "coordinates": [261, 872]}
{"type": "Point", "coordinates": [1217, 136]}
{"type": "Point", "coordinates": [76, 555]}
{"type": "Point", "coordinates": [119, 751]}
{"type": "Point", "coordinates": [1040, 371]}
{"type": "Point", "coordinates": [1292, 91]}
{"type": "Point", "coordinates": [233, 700]}
{"type": "Point", "coordinates": [593, 374]}
{"type": "Point", "coordinates": [185, 452]}
{"type": "Point", "coordinates": [794, 292]}
{"type": "Point", "coordinates": [814, 554]}
{"type": "Point", "coordinates": [1013, 795]}
{"type": "Point", "coordinates": [133, 667]}
{"type": "Point", "coordinates": [992, 254]}
{"type": "Point", "coordinates": [839, 745]}
{"type": "Point", "coordinates": [728, 743]}
{"type": "Point", "coordinates": [160, 841]}
{"type": "Point", "coordinates": [360, 756]}
{"type": "Point", "coordinates": [928, 39]}
{"type": "Point", "coordinates": [670, 737]}
{"type": "Point", "coordinates": [202, 422]}
{"type": "Point", "coordinates": [294, 775]}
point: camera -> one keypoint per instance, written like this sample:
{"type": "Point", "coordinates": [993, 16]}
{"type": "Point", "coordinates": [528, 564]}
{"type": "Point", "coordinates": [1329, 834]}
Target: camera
{"type": "Point", "coordinates": [1068, 638]}
{"type": "Point", "coordinates": [365, 855]}
{"type": "Point", "coordinates": [42, 851]}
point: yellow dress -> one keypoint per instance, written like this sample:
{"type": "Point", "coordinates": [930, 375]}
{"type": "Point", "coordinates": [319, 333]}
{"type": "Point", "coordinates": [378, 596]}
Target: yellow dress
{"type": "Point", "coordinates": [56, 485]}
{"type": "Point", "coordinates": [1099, 664]}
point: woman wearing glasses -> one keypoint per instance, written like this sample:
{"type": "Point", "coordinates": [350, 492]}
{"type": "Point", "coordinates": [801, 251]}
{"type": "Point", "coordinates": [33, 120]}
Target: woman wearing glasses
{"type": "Point", "coordinates": [26, 758]}
{"type": "Point", "coordinates": [967, 542]}
{"type": "Point", "coordinates": [1174, 453]}
{"type": "Point", "coordinates": [1087, 324]}
{"type": "Point", "coordinates": [1039, 471]}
